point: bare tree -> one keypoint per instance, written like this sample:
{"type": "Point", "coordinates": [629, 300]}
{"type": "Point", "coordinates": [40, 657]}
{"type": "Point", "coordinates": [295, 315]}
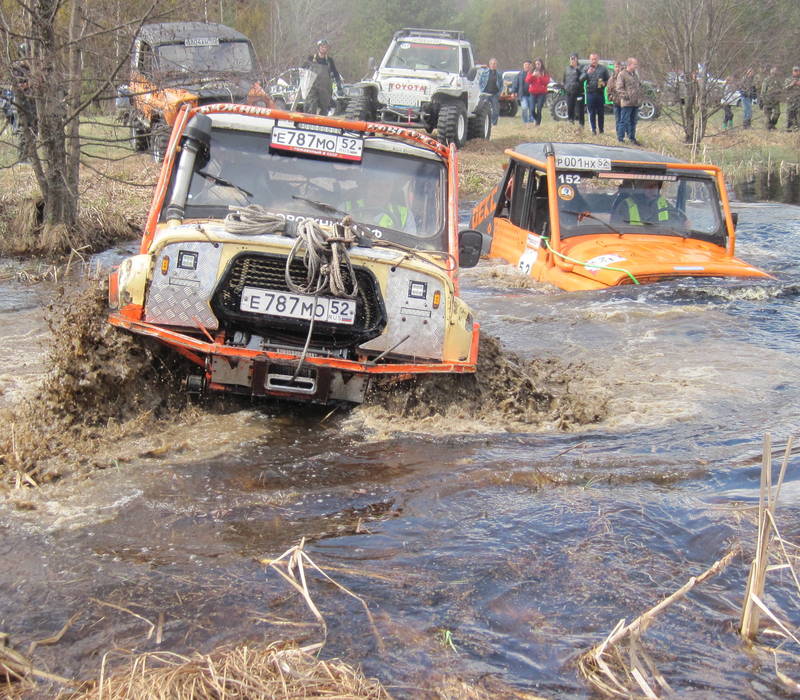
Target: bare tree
{"type": "Point", "coordinates": [691, 46]}
{"type": "Point", "coordinates": [48, 74]}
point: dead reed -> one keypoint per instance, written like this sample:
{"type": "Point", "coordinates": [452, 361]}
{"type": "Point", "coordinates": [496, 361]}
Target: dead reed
{"type": "Point", "coordinates": [620, 667]}
{"type": "Point", "coordinates": [255, 672]}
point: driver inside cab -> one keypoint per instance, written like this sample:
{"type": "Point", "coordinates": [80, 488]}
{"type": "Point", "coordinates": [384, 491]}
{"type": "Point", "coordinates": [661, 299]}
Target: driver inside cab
{"type": "Point", "coordinates": [382, 201]}
{"type": "Point", "coordinates": [645, 205]}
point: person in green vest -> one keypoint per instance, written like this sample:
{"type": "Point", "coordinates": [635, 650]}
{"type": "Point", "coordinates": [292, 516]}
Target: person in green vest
{"type": "Point", "coordinates": [381, 202]}
{"type": "Point", "coordinates": [645, 205]}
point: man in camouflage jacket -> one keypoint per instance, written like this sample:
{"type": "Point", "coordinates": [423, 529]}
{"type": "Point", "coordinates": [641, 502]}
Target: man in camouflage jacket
{"type": "Point", "coordinates": [792, 90]}
{"type": "Point", "coordinates": [628, 87]}
{"type": "Point", "coordinates": [771, 93]}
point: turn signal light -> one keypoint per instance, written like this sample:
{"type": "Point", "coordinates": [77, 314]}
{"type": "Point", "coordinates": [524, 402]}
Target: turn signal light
{"type": "Point", "coordinates": [164, 265]}
{"type": "Point", "coordinates": [437, 299]}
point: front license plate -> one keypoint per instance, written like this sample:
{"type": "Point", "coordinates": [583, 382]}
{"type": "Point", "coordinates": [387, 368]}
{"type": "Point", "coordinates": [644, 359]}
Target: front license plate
{"type": "Point", "coordinates": [288, 305]}
{"type": "Point", "coordinates": [318, 143]}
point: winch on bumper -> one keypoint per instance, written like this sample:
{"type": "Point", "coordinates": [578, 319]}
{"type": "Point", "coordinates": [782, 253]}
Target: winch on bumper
{"type": "Point", "coordinates": [192, 295]}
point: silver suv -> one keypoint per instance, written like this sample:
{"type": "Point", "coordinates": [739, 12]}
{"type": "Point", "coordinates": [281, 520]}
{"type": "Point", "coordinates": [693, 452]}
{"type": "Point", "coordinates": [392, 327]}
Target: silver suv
{"type": "Point", "coordinates": [428, 79]}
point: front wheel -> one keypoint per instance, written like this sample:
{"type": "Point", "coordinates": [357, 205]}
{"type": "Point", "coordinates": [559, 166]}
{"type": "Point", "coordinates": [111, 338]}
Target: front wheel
{"type": "Point", "coordinates": [452, 124]}
{"type": "Point", "coordinates": [479, 125]}
{"type": "Point", "coordinates": [138, 140]}
{"type": "Point", "coordinates": [360, 108]}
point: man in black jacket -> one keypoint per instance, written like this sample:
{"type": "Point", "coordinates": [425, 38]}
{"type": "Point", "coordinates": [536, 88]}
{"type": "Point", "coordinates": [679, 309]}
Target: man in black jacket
{"type": "Point", "coordinates": [573, 87]}
{"type": "Point", "coordinates": [596, 77]}
{"type": "Point", "coordinates": [319, 97]}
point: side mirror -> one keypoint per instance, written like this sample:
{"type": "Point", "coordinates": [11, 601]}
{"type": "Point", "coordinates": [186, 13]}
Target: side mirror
{"type": "Point", "coordinates": [470, 244]}
{"type": "Point", "coordinates": [471, 73]}
{"type": "Point", "coordinates": [735, 219]}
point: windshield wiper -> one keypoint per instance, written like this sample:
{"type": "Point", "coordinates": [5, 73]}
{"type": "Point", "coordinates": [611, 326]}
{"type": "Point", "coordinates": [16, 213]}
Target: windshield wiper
{"type": "Point", "coordinates": [225, 183]}
{"type": "Point", "coordinates": [588, 215]}
{"type": "Point", "coordinates": [322, 205]}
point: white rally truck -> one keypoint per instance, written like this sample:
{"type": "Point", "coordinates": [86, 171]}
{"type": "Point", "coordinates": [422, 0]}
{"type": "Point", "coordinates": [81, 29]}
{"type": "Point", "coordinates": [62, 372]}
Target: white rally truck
{"type": "Point", "coordinates": [428, 79]}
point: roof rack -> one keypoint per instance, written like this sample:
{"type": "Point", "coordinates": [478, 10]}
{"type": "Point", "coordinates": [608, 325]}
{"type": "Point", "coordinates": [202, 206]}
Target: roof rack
{"type": "Point", "coordinates": [435, 33]}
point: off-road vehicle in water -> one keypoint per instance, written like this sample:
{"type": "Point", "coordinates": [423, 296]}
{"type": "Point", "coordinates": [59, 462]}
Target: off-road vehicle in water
{"type": "Point", "coordinates": [583, 216]}
{"type": "Point", "coordinates": [427, 79]}
{"type": "Point", "coordinates": [179, 63]}
{"type": "Point", "coordinates": [301, 256]}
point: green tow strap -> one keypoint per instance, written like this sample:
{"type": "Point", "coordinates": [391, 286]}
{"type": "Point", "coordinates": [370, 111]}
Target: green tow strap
{"type": "Point", "coordinates": [580, 262]}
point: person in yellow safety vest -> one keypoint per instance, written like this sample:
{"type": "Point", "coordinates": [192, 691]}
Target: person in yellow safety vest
{"type": "Point", "coordinates": [646, 206]}
{"type": "Point", "coordinates": [372, 207]}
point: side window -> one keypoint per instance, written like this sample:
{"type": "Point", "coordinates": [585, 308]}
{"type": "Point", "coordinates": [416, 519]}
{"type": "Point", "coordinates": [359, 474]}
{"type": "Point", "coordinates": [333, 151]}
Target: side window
{"type": "Point", "coordinates": [466, 60]}
{"type": "Point", "coordinates": [539, 211]}
{"type": "Point", "coordinates": [520, 194]}
{"type": "Point", "coordinates": [146, 59]}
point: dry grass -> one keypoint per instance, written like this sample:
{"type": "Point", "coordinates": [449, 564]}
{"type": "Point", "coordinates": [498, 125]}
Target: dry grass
{"type": "Point", "coordinates": [274, 671]}
{"type": "Point", "coordinates": [115, 191]}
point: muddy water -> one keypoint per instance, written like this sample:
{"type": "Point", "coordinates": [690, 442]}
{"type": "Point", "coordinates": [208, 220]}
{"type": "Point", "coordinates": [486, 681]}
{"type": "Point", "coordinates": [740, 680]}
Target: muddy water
{"type": "Point", "coordinates": [486, 549]}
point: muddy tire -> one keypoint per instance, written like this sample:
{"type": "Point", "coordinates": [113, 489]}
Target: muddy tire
{"type": "Point", "coordinates": [138, 139]}
{"type": "Point", "coordinates": [480, 123]}
{"type": "Point", "coordinates": [558, 109]}
{"type": "Point", "coordinates": [159, 139]}
{"type": "Point", "coordinates": [360, 108]}
{"type": "Point", "coordinates": [452, 124]}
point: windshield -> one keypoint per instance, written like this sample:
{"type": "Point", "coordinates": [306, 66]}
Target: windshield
{"type": "Point", "coordinates": [395, 196]}
{"type": "Point", "coordinates": [437, 57]}
{"type": "Point", "coordinates": [675, 205]}
{"type": "Point", "coordinates": [221, 57]}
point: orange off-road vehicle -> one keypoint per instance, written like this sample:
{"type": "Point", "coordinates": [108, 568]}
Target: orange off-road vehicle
{"type": "Point", "coordinates": [582, 216]}
{"type": "Point", "coordinates": [185, 63]}
{"type": "Point", "coordinates": [300, 256]}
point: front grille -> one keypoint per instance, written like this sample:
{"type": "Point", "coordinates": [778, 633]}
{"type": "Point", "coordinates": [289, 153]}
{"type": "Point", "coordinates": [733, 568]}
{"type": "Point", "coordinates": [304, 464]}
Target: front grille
{"type": "Point", "coordinates": [267, 272]}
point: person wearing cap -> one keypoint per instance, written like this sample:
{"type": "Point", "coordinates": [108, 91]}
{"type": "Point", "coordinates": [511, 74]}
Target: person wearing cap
{"type": "Point", "coordinates": [320, 94]}
{"type": "Point", "coordinates": [792, 91]}
{"type": "Point", "coordinates": [573, 87]}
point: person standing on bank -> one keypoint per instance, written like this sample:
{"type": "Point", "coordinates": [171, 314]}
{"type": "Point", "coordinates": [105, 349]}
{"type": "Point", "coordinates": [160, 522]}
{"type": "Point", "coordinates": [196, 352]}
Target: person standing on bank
{"type": "Point", "coordinates": [771, 92]}
{"type": "Point", "coordinates": [519, 90]}
{"type": "Point", "coordinates": [596, 78]}
{"type": "Point", "coordinates": [747, 91]}
{"type": "Point", "coordinates": [320, 94]}
{"type": "Point", "coordinates": [537, 80]}
{"type": "Point", "coordinates": [491, 83]}
{"type": "Point", "coordinates": [573, 87]}
{"type": "Point", "coordinates": [792, 90]}
{"type": "Point", "coordinates": [619, 66]}
{"type": "Point", "coordinates": [629, 89]}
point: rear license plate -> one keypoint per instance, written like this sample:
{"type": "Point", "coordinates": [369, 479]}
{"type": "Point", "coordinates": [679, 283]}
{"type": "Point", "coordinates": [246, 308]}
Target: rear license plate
{"type": "Point", "coordinates": [276, 303]}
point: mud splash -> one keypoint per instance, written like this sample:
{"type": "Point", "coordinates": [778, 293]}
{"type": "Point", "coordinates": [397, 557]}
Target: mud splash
{"type": "Point", "coordinates": [99, 380]}
{"type": "Point", "coordinates": [506, 393]}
